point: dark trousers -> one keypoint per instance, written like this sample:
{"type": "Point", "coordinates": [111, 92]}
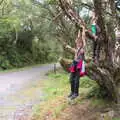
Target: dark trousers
{"type": "Point", "coordinates": [96, 50]}
{"type": "Point", "coordinates": [74, 82]}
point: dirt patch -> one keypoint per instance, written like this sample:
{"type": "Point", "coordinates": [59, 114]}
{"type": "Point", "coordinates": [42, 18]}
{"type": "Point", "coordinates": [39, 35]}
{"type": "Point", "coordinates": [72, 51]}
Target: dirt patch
{"type": "Point", "coordinates": [78, 112]}
{"type": "Point", "coordinates": [84, 111]}
{"type": "Point", "coordinates": [23, 113]}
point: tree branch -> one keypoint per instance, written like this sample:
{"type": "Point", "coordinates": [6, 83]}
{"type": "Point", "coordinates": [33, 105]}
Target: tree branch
{"type": "Point", "coordinates": [73, 16]}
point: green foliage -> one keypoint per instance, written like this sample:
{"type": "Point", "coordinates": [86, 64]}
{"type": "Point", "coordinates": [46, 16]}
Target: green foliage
{"type": "Point", "coordinates": [57, 85]}
{"type": "Point", "coordinates": [116, 119]}
{"type": "Point", "coordinates": [86, 82]}
{"type": "Point", "coordinates": [97, 92]}
{"type": "Point", "coordinates": [20, 23]}
{"type": "Point", "coordinates": [52, 1]}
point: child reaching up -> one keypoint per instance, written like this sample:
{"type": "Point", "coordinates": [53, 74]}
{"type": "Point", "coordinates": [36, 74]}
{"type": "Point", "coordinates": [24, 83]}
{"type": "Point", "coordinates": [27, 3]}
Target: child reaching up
{"type": "Point", "coordinates": [77, 68]}
{"type": "Point", "coordinates": [94, 25]}
{"type": "Point", "coordinates": [95, 32]}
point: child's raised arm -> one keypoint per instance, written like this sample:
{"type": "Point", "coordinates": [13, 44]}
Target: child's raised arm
{"type": "Point", "coordinates": [83, 36]}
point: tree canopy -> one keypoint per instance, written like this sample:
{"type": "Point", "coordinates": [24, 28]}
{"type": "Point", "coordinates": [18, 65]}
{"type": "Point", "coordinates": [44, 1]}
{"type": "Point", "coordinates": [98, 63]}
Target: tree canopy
{"type": "Point", "coordinates": [26, 30]}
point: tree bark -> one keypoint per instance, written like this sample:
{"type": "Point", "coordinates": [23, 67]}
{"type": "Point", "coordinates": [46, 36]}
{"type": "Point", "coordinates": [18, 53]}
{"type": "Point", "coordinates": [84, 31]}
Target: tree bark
{"type": "Point", "coordinates": [105, 72]}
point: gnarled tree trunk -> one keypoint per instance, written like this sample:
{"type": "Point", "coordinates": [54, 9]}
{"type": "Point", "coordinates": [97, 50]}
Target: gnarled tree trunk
{"type": "Point", "coordinates": [107, 71]}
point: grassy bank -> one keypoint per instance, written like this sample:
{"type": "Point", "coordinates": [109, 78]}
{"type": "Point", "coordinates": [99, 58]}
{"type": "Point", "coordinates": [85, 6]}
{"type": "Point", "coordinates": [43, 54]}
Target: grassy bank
{"type": "Point", "coordinates": [56, 90]}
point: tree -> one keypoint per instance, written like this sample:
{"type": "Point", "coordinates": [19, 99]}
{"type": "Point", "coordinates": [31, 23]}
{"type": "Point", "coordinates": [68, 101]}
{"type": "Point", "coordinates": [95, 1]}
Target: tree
{"type": "Point", "coordinates": [106, 73]}
{"type": "Point", "coordinates": [26, 33]}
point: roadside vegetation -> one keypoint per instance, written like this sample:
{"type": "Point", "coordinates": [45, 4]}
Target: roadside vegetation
{"type": "Point", "coordinates": [25, 35]}
{"type": "Point", "coordinates": [56, 106]}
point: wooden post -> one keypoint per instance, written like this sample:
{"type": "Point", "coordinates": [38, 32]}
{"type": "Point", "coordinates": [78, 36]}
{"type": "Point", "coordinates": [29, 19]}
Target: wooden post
{"type": "Point", "coordinates": [55, 68]}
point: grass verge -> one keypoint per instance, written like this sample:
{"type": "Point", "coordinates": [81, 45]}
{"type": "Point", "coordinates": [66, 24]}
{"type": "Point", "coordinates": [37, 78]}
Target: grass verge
{"type": "Point", "coordinates": [56, 90]}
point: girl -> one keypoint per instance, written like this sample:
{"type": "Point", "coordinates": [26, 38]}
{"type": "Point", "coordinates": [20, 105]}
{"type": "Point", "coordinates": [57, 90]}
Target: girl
{"type": "Point", "coordinates": [94, 25]}
{"type": "Point", "coordinates": [95, 32]}
{"type": "Point", "coordinates": [77, 67]}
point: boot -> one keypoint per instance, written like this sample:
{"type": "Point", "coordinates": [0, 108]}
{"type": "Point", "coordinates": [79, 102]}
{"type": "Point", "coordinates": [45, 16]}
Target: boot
{"type": "Point", "coordinates": [74, 96]}
{"type": "Point", "coordinates": [70, 95]}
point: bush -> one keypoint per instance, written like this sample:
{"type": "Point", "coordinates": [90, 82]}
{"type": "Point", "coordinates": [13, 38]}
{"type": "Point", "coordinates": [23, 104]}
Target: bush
{"type": "Point", "coordinates": [86, 82]}
{"type": "Point", "coordinates": [97, 92]}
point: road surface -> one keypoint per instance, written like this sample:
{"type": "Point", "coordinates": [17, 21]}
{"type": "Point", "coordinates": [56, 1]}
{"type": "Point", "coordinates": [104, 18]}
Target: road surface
{"type": "Point", "coordinates": [20, 90]}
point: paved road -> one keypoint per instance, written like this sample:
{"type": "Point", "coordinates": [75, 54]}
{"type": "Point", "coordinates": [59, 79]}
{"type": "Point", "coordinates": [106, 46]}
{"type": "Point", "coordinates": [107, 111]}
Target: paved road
{"type": "Point", "coordinates": [20, 90]}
